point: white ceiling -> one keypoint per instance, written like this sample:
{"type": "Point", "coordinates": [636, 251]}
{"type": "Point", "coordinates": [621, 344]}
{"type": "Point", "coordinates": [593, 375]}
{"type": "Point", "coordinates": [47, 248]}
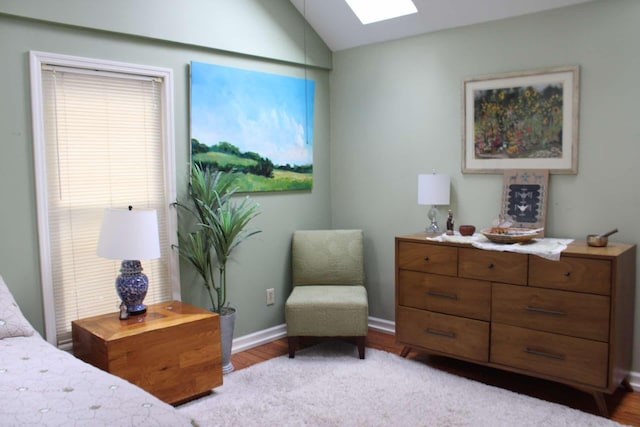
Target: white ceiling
{"type": "Point", "coordinates": [340, 29]}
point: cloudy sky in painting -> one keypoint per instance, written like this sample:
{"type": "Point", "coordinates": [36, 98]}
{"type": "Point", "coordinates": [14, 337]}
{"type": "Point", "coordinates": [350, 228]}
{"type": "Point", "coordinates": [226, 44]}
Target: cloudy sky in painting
{"type": "Point", "coordinates": [255, 111]}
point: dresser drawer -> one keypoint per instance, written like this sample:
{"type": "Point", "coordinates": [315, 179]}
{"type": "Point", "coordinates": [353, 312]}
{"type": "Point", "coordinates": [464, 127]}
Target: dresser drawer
{"type": "Point", "coordinates": [568, 313]}
{"type": "Point", "coordinates": [560, 356]}
{"type": "Point", "coordinates": [450, 295]}
{"type": "Point", "coordinates": [452, 335]}
{"type": "Point", "coordinates": [428, 258]}
{"type": "Point", "coordinates": [494, 266]}
{"type": "Point", "coordinates": [571, 274]}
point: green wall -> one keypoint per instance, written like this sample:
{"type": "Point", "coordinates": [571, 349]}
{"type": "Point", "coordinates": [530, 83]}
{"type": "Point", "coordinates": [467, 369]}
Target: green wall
{"type": "Point", "coordinates": [384, 114]}
{"type": "Point", "coordinates": [396, 112]}
{"type": "Point", "coordinates": [241, 33]}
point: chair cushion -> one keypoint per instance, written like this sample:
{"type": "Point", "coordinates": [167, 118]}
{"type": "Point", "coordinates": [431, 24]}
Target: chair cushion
{"type": "Point", "coordinates": [327, 257]}
{"type": "Point", "coordinates": [327, 311]}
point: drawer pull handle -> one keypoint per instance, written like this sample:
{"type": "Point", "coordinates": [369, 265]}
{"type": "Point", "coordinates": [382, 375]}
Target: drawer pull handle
{"type": "Point", "coordinates": [442, 295]}
{"type": "Point", "coordinates": [490, 265]}
{"type": "Point", "coordinates": [567, 274]}
{"type": "Point", "coordinates": [546, 311]}
{"type": "Point", "coordinates": [440, 333]}
{"type": "Point", "coordinates": [426, 258]}
{"type": "Point", "coordinates": [544, 354]}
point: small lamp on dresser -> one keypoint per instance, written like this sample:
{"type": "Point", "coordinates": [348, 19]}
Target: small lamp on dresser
{"type": "Point", "coordinates": [130, 235]}
{"type": "Point", "coordinates": [433, 189]}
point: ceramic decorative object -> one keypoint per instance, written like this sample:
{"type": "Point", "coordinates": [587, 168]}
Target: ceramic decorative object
{"type": "Point", "coordinates": [450, 223]}
{"type": "Point", "coordinates": [467, 230]}
{"type": "Point", "coordinates": [132, 285]}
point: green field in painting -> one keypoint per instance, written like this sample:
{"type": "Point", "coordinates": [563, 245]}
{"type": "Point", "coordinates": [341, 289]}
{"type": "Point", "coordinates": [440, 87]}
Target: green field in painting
{"type": "Point", "coordinates": [223, 159]}
{"type": "Point", "coordinates": [282, 180]}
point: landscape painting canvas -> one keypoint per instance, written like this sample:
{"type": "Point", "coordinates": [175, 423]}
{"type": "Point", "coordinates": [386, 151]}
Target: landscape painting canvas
{"type": "Point", "coordinates": [257, 126]}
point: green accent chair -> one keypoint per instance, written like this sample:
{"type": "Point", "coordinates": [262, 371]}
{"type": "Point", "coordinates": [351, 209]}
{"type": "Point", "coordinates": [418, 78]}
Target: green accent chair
{"type": "Point", "coordinates": [329, 298]}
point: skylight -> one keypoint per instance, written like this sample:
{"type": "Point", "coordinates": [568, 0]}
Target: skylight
{"type": "Point", "coordinates": [369, 11]}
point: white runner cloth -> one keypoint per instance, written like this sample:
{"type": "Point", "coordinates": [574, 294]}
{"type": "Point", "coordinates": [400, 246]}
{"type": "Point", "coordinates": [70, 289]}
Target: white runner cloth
{"type": "Point", "coordinates": [549, 248]}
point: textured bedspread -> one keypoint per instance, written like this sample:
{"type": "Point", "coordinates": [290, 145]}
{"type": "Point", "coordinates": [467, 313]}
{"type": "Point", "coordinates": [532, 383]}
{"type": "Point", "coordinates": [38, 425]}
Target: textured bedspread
{"type": "Point", "coordinates": [43, 386]}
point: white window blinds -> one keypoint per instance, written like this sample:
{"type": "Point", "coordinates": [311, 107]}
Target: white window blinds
{"type": "Point", "coordinates": [103, 138]}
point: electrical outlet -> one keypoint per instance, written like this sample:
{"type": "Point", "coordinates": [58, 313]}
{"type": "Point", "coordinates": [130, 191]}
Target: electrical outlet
{"type": "Point", "coordinates": [271, 299]}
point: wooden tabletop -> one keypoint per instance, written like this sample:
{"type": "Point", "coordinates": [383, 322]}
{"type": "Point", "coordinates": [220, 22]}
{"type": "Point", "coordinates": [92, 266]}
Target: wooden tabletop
{"type": "Point", "coordinates": [158, 316]}
{"type": "Point", "coordinates": [577, 247]}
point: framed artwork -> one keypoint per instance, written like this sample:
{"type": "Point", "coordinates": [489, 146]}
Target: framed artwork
{"type": "Point", "coordinates": [524, 198]}
{"type": "Point", "coordinates": [257, 126]}
{"type": "Point", "coordinates": [523, 120]}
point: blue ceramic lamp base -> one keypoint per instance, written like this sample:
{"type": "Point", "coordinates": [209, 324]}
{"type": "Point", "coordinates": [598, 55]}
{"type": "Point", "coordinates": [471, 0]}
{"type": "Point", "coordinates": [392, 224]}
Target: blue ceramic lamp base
{"type": "Point", "coordinates": [132, 286]}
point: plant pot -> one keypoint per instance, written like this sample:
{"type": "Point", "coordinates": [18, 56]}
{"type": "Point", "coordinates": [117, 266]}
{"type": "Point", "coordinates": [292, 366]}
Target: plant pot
{"type": "Point", "coordinates": [227, 322]}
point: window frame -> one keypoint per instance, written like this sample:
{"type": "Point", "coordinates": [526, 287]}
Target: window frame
{"type": "Point", "coordinates": [36, 61]}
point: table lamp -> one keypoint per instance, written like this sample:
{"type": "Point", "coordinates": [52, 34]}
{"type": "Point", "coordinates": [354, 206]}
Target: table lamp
{"type": "Point", "coordinates": [130, 235]}
{"type": "Point", "coordinates": [433, 189]}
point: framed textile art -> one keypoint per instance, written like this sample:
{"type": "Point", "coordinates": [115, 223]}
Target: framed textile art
{"type": "Point", "coordinates": [524, 198]}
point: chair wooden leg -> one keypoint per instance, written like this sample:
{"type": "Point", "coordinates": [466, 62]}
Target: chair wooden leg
{"type": "Point", "coordinates": [293, 343]}
{"type": "Point", "coordinates": [360, 342]}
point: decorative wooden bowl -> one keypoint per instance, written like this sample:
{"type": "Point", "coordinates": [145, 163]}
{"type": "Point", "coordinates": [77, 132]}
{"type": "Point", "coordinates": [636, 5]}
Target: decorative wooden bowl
{"type": "Point", "coordinates": [511, 235]}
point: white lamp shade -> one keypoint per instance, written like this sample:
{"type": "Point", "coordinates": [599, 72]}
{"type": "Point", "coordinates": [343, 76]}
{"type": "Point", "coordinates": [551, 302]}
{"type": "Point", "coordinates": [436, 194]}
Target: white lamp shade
{"type": "Point", "coordinates": [129, 234]}
{"type": "Point", "coordinates": [433, 189]}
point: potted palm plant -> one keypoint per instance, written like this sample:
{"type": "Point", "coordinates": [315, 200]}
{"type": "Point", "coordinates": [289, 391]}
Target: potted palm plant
{"type": "Point", "coordinates": [220, 226]}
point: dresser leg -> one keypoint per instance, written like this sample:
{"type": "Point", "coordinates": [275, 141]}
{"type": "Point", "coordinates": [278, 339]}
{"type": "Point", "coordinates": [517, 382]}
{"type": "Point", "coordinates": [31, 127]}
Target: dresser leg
{"type": "Point", "coordinates": [602, 405]}
{"type": "Point", "coordinates": [405, 351]}
{"type": "Point", "coordinates": [627, 385]}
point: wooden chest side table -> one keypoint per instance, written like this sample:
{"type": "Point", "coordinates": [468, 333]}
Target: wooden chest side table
{"type": "Point", "coordinates": [172, 351]}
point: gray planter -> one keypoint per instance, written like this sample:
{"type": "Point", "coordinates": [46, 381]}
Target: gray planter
{"type": "Point", "coordinates": [227, 322]}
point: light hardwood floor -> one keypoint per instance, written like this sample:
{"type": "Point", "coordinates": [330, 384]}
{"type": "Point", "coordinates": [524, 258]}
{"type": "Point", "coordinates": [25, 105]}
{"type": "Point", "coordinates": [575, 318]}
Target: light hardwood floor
{"type": "Point", "coordinates": [623, 406]}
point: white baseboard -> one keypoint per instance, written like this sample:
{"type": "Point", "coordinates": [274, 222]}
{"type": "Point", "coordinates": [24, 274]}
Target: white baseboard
{"type": "Point", "coordinates": [255, 339]}
{"type": "Point", "coordinates": [382, 325]}
{"type": "Point", "coordinates": [258, 338]}
{"type": "Point", "coordinates": [267, 335]}
{"type": "Point", "coordinates": [634, 380]}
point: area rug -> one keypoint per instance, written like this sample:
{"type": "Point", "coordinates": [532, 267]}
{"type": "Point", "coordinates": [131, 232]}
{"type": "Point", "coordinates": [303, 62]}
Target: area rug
{"type": "Point", "coordinates": [327, 385]}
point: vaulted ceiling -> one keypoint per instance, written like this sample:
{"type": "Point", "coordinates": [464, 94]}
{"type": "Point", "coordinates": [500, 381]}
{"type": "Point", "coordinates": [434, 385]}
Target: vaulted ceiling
{"type": "Point", "coordinates": [340, 29]}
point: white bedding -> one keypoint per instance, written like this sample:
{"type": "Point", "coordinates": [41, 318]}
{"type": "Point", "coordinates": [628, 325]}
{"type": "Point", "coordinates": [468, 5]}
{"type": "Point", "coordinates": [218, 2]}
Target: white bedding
{"type": "Point", "coordinates": [43, 386]}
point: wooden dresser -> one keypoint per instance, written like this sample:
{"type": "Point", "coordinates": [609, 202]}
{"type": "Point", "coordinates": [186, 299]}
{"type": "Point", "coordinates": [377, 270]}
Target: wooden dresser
{"type": "Point", "coordinates": [569, 321]}
{"type": "Point", "coordinates": [172, 351]}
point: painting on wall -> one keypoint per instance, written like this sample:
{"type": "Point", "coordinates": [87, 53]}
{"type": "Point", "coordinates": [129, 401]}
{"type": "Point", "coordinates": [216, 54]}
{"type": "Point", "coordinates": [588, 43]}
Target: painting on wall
{"type": "Point", "coordinates": [524, 120]}
{"type": "Point", "coordinates": [524, 198]}
{"type": "Point", "coordinates": [256, 125]}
